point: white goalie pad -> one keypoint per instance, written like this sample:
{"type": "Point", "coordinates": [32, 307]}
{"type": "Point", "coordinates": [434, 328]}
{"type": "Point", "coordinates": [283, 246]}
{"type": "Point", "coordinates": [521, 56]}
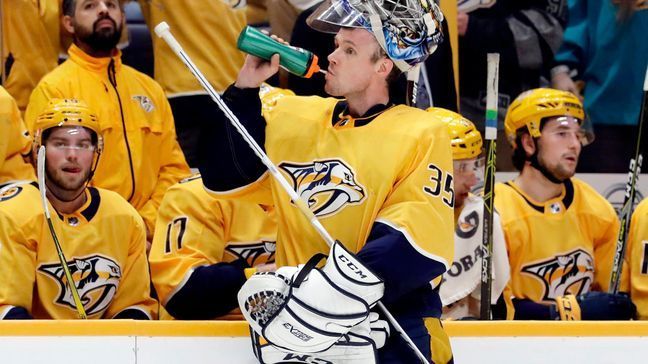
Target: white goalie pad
{"type": "Point", "coordinates": [306, 309]}
{"type": "Point", "coordinates": [355, 347]}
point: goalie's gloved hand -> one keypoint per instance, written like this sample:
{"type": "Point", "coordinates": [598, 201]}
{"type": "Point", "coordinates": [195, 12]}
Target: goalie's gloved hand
{"type": "Point", "coordinates": [594, 306]}
{"type": "Point", "coordinates": [307, 309]}
{"type": "Point", "coordinates": [358, 346]}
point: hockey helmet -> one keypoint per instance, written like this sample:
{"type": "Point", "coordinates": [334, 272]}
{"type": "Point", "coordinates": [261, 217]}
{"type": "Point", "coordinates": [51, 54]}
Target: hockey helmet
{"type": "Point", "coordinates": [70, 113]}
{"type": "Point", "coordinates": [407, 30]}
{"type": "Point", "coordinates": [465, 139]}
{"type": "Point", "coordinates": [531, 107]}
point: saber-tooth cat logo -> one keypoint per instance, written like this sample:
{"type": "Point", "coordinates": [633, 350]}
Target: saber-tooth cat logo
{"type": "Point", "coordinates": [327, 185]}
{"type": "Point", "coordinates": [95, 277]}
{"type": "Point", "coordinates": [571, 273]}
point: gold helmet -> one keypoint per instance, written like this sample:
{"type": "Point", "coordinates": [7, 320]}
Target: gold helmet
{"type": "Point", "coordinates": [66, 113]}
{"type": "Point", "coordinates": [530, 107]}
{"type": "Point", "coordinates": [466, 140]}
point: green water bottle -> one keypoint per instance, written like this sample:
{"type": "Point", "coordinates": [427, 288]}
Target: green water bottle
{"type": "Point", "coordinates": [295, 60]}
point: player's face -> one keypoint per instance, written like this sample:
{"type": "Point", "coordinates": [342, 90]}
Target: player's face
{"type": "Point", "coordinates": [351, 67]}
{"type": "Point", "coordinates": [467, 173]}
{"type": "Point", "coordinates": [69, 159]}
{"type": "Point", "coordinates": [98, 23]}
{"type": "Point", "coordinates": [560, 145]}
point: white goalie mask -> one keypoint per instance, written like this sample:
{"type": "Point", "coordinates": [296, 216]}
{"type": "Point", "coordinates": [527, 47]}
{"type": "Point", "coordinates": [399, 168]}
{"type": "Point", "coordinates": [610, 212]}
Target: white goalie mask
{"type": "Point", "coordinates": [407, 30]}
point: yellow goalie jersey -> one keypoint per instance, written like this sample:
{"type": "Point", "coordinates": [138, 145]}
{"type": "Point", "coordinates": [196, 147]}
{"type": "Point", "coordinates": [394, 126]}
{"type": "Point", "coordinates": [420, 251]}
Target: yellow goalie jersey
{"type": "Point", "coordinates": [637, 257]}
{"type": "Point", "coordinates": [201, 248]}
{"type": "Point", "coordinates": [562, 246]}
{"type": "Point", "coordinates": [393, 173]}
{"type": "Point", "coordinates": [103, 242]}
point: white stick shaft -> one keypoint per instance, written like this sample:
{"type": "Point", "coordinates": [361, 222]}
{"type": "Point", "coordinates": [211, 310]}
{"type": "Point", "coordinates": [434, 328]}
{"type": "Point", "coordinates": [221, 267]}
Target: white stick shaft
{"type": "Point", "coordinates": [40, 172]}
{"type": "Point", "coordinates": [162, 30]}
{"type": "Point", "coordinates": [492, 59]}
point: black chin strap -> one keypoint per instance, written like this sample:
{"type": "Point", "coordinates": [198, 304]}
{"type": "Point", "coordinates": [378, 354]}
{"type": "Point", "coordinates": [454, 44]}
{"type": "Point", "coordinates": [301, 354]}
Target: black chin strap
{"type": "Point", "coordinates": [535, 163]}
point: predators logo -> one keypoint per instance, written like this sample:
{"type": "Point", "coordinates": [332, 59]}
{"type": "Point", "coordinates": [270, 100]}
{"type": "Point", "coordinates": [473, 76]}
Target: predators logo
{"type": "Point", "coordinates": [96, 279]}
{"type": "Point", "coordinates": [254, 253]}
{"type": "Point", "coordinates": [571, 273]}
{"type": "Point", "coordinates": [327, 185]}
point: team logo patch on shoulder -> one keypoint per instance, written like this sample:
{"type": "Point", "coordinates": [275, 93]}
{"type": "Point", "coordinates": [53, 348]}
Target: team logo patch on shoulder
{"type": "Point", "coordinates": [9, 192]}
{"type": "Point", "coordinates": [327, 185]}
{"type": "Point", "coordinates": [96, 278]}
{"type": "Point", "coordinates": [254, 253]}
{"type": "Point", "coordinates": [144, 102]}
{"type": "Point", "coordinates": [571, 273]}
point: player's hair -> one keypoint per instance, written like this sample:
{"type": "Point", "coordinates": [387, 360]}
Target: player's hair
{"type": "Point", "coordinates": [68, 7]}
{"type": "Point", "coordinates": [395, 72]}
{"type": "Point", "coordinates": [519, 154]}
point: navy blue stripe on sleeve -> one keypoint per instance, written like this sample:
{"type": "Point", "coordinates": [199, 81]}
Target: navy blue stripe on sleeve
{"type": "Point", "coordinates": [210, 292]}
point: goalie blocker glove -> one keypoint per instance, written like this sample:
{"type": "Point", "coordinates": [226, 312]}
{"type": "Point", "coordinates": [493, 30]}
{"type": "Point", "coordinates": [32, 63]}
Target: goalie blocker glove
{"type": "Point", "coordinates": [593, 306]}
{"type": "Point", "coordinates": [358, 346]}
{"type": "Point", "coordinates": [306, 309]}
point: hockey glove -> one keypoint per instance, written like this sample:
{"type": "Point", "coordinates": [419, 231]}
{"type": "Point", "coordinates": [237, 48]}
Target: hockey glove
{"type": "Point", "coordinates": [307, 309]}
{"type": "Point", "coordinates": [594, 306]}
{"type": "Point", "coordinates": [357, 346]}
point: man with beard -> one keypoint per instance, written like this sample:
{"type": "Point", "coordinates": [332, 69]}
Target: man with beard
{"type": "Point", "coordinates": [559, 231]}
{"type": "Point", "coordinates": [144, 158]}
{"type": "Point", "coordinates": [101, 235]}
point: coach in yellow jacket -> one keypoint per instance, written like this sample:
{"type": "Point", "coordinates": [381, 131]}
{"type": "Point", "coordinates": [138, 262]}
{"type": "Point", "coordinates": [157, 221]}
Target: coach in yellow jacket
{"type": "Point", "coordinates": [142, 157]}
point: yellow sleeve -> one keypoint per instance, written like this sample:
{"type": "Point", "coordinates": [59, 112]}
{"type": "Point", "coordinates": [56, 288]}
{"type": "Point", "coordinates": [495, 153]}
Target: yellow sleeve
{"type": "Point", "coordinates": [604, 250]}
{"type": "Point", "coordinates": [14, 143]}
{"type": "Point", "coordinates": [17, 266]}
{"type": "Point", "coordinates": [135, 287]}
{"type": "Point", "coordinates": [189, 233]}
{"type": "Point", "coordinates": [421, 204]}
{"type": "Point", "coordinates": [170, 173]}
{"type": "Point", "coordinates": [637, 258]}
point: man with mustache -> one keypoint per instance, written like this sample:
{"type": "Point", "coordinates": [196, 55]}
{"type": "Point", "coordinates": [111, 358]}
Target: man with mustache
{"type": "Point", "coordinates": [101, 235]}
{"type": "Point", "coordinates": [143, 157]}
{"type": "Point", "coordinates": [560, 232]}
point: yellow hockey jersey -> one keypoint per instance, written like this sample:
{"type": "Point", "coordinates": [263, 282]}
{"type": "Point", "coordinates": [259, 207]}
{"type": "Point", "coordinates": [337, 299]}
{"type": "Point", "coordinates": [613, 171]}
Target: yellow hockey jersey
{"type": "Point", "coordinates": [103, 242]}
{"type": "Point", "coordinates": [14, 142]}
{"type": "Point", "coordinates": [395, 170]}
{"type": "Point", "coordinates": [141, 156]}
{"type": "Point", "coordinates": [195, 229]}
{"type": "Point", "coordinates": [207, 30]}
{"type": "Point", "coordinates": [562, 246]}
{"type": "Point", "coordinates": [30, 44]}
{"type": "Point", "coordinates": [637, 257]}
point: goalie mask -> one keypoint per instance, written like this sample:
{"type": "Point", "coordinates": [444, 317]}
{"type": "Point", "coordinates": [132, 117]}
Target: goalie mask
{"type": "Point", "coordinates": [71, 114]}
{"type": "Point", "coordinates": [407, 30]}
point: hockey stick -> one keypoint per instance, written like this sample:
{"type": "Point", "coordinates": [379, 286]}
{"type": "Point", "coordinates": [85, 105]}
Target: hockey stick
{"type": "Point", "coordinates": [162, 30]}
{"type": "Point", "coordinates": [629, 198]}
{"type": "Point", "coordinates": [40, 170]}
{"type": "Point", "coordinates": [492, 78]}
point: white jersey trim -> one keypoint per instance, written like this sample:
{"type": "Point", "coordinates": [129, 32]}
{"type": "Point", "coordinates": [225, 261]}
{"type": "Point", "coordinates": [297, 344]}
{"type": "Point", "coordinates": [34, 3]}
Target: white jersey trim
{"type": "Point", "coordinates": [4, 313]}
{"type": "Point", "coordinates": [188, 93]}
{"type": "Point", "coordinates": [413, 243]}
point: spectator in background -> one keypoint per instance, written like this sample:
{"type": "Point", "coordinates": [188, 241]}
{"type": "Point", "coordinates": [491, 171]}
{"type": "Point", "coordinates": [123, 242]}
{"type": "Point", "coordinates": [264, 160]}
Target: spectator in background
{"type": "Point", "coordinates": [605, 47]}
{"type": "Point", "coordinates": [526, 34]}
{"type": "Point", "coordinates": [15, 143]}
{"type": "Point", "coordinates": [208, 31]}
{"type": "Point", "coordinates": [560, 233]}
{"type": "Point", "coordinates": [438, 68]}
{"type": "Point", "coordinates": [30, 45]}
{"type": "Point", "coordinates": [143, 157]}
